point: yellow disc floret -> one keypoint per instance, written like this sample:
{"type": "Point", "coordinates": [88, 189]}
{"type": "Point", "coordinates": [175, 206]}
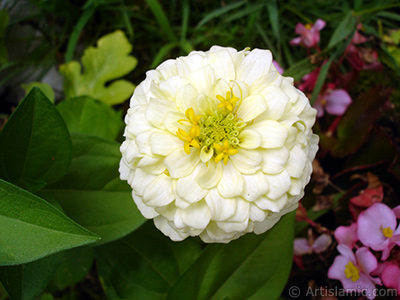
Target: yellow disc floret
{"type": "Point", "coordinates": [352, 272]}
{"type": "Point", "coordinates": [387, 232]}
{"type": "Point", "coordinates": [216, 134]}
{"type": "Point", "coordinates": [224, 151]}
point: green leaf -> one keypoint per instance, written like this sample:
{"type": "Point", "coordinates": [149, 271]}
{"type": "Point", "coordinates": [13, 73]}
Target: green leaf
{"type": "Point", "coordinates": [44, 87]}
{"type": "Point", "coordinates": [358, 120]}
{"type": "Point", "coordinates": [219, 12]}
{"type": "Point", "coordinates": [75, 264]}
{"type": "Point", "coordinates": [85, 115]}
{"type": "Point", "coordinates": [162, 19]}
{"type": "Point", "coordinates": [343, 30]}
{"type": "Point", "coordinates": [301, 68]}
{"type": "Point", "coordinates": [109, 61]}
{"type": "Point", "coordinates": [35, 146]}
{"type": "Point", "coordinates": [252, 267]}
{"type": "Point", "coordinates": [28, 281]}
{"type": "Point", "coordinates": [92, 194]}
{"type": "Point", "coordinates": [144, 265]}
{"type": "Point", "coordinates": [31, 228]}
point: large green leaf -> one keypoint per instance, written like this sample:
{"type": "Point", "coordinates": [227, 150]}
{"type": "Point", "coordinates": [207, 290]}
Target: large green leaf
{"type": "Point", "coordinates": [75, 264]}
{"type": "Point", "coordinates": [252, 267]}
{"type": "Point", "coordinates": [85, 115]}
{"type": "Point", "coordinates": [35, 146]}
{"type": "Point", "coordinates": [358, 121]}
{"type": "Point", "coordinates": [109, 61]}
{"type": "Point", "coordinates": [144, 265]}
{"type": "Point", "coordinates": [92, 194]}
{"type": "Point", "coordinates": [28, 281]}
{"type": "Point", "coordinates": [31, 228]}
{"type": "Point", "coordinates": [44, 87]}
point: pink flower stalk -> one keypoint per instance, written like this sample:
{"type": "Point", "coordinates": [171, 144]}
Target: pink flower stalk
{"type": "Point", "coordinates": [304, 246]}
{"type": "Point", "coordinates": [396, 211]}
{"type": "Point", "coordinates": [377, 229]}
{"type": "Point", "coordinates": [347, 235]}
{"type": "Point", "coordinates": [353, 271]}
{"type": "Point", "coordinates": [334, 101]}
{"type": "Point", "coordinates": [309, 34]}
{"type": "Point", "coordinates": [278, 67]}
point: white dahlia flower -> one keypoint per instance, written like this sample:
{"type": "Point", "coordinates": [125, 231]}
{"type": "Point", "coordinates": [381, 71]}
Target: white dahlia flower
{"type": "Point", "coordinates": [218, 144]}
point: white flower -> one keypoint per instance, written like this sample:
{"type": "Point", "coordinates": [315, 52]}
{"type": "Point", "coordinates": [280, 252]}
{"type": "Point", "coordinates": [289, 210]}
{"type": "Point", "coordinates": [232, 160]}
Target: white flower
{"type": "Point", "coordinates": [218, 144]}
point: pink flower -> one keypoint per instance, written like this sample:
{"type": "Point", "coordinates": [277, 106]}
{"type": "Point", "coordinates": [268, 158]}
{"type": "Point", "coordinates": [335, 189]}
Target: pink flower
{"type": "Point", "coordinates": [309, 80]}
{"type": "Point", "coordinates": [396, 211]}
{"type": "Point", "coordinates": [390, 276]}
{"type": "Point", "coordinates": [309, 35]}
{"type": "Point", "coordinates": [353, 271]}
{"type": "Point", "coordinates": [377, 229]}
{"type": "Point", "coordinates": [278, 67]}
{"type": "Point", "coordinates": [347, 235]}
{"type": "Point", "coordinates": [304, 246]}
{"type": "Point", "coordinates": [368, 197]}
{"type": "Point", "coordinates": [334, 101]}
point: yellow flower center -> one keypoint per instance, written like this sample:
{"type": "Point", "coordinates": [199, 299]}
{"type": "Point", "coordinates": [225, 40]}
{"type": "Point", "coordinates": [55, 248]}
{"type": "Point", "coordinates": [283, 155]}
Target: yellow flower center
{"type": "Point", "coordinates": [352, 272]}
{"type": "Point", "coordinates": [215, 135]}
{"type": "Point", "coordinates": [308, 26]}
{"type": "Point", "coordinates": [387, 232]}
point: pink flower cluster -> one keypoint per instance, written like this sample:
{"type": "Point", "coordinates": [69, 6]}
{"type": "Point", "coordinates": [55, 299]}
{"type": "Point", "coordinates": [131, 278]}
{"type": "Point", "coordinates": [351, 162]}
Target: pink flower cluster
{"type": "Point", "coordinates": [374, 236]}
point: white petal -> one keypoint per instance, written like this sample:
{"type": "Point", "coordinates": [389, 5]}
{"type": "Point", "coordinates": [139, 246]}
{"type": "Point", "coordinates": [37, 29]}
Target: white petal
{"type": "Point", "coordinates": [251, 107]}
{"type": "Point", "coordinates": [180, 164]}
{"type": "Point", "coordinates": [254, 65]}
{"type": "Point", "coordinates": [296, 188]}
{"type": "Point", "coordinates": [188, 189]}
{"type": "Point", "coordinates": [159, 191]}
{"type": "Point", "coordinates": [296, 163]}
{"type": "Point", "coordinates": [255, 186]}
{"type": "Point", "coordinates": [163, 143]}
{"type": "Point", "coordinates": [262, 227]}
{"type": "Point", "coordinates": [186, 97]}
{"type": "Point", "coordinates": [137, 122]}
{"type": "Point", "coordinates": [234, 226]}
{"type": "Point", "coordinates": [278, 184]}
{"type": "Point", "coordinates": [197, 215]}
{"type": "Point", "coordinates": [249, 139]}
{"type": "Point", "coordinates": [239, 221]}
{"type": "Point", "coordinates": [231, 183]}
{"type": "Point", "coordinates": [211, 175]}
{"type": "Point", "coordinates": [221, 208]}
{"type": "Point", "coordinates": [220, 87]}
{"type": "Point", "coordinates": [167, 89]}
{"type": "Point", "coordinates": [273, 78]}
{"type": "Point", "coordinates": [152, 164]}
{"type": "Point", "coordinates": [274, 160]}
{"type": "Point", "coordinates": [165, 227]}
{"type": "Point", "coordinates": [123, 170]}
{"type": "Point", "coordinates": [256, 214]}
{"type": "Point", "coordinates": [156, 111]}
{"type": "Point", "coordinates": [203, 79]}
{"type": "Point", "coordinates": [214, 234]}
{"type": "Point", "coordinates": [139, 95]}
{"type": "Point", "coordinates": [266, 203]}
{"type": "Point", "coordinates": [141, 180]}
{"type": "Point", "coordinates": [247, 161]}
{"type": "Point", "coordinates": [240, 89]}
{"type": "Point", "coordinates": [171, 122]}
{"type": "Point", "coordinates": [206, 156]}
{"type": "Point", "coordinates": [221, 62]}
{"type": "Point", "coordinates": [167, 68]}
{"type": "Point", "coordinates": [189, 64]}
{"type": "Point", "coordinates": [276, 101]}
{"type": "Point", "coordinates": [143, 142]}
{"type": "Point", "coordinates": [273, 133]}
{"type": "Point", "coordinates": [147, 211]}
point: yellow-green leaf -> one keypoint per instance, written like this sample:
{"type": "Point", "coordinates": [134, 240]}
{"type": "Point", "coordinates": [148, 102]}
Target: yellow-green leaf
{"type": "Point", "coordinates": [102, 64]}
{"type": "Point", "coordinates": [44, 87]}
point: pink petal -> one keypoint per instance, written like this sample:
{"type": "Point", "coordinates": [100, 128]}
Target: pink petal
{"type": "Point", "coordinates": [390, 276]}
{"type": "Point", "coordinates": [336, 270]}
{"type": "Point", "coordinates": [321, 243]}
{"type": "Point", "coordinates": [365, 284]}
{"type": "Point", "coordinates": [347, 235]}
{"type": "Point", "coordinates": [278, 67]}
{"type": "Point", "coordinates": [300, 29]}
{"type": "Point", "coordinates": [368, 197]}
{"type": "Point", "coordinates": [370, 224]}
{"type": "Point", "coordinates": [301, 246]}
{"type": "Point", "coordinates": [366, 260]}
{"type": "Point", "coordinates": [396, 211]}
{"type": "Point", "coordinates": [295, 41]}
{"type": "Point", "coordinates": [319, 24]}
{"type": "Point", "coordinates": [347, 253]}
{"type": "Point", "coordinates": [337, 102]}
